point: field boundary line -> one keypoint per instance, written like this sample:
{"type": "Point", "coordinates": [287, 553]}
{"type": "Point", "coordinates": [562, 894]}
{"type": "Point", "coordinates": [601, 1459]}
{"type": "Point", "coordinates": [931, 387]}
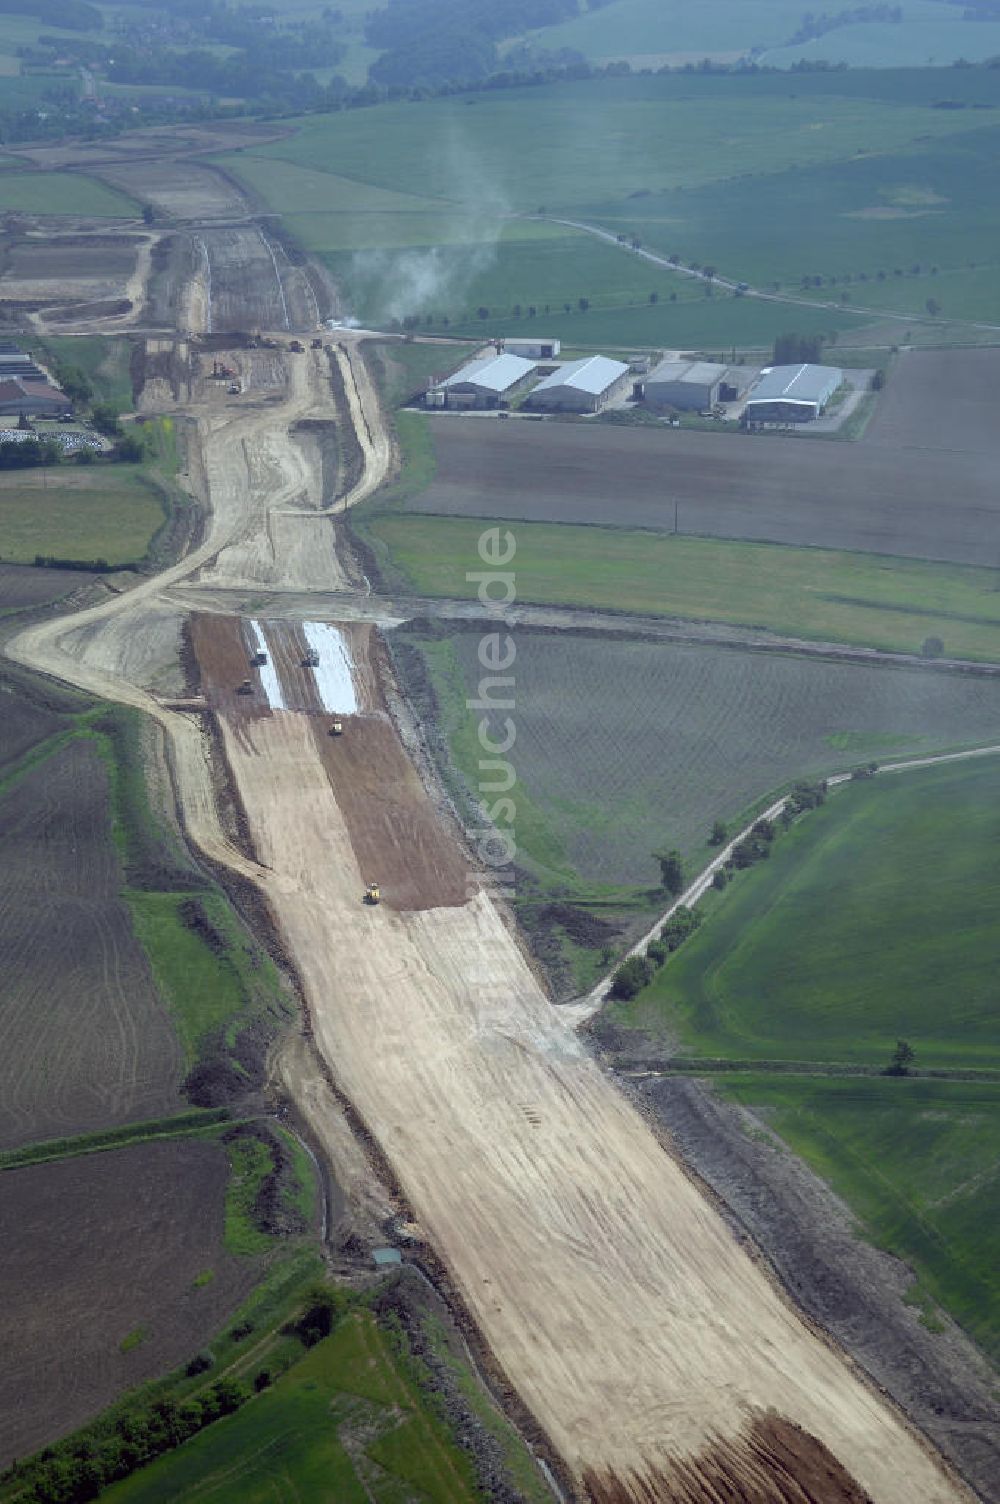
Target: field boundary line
{"type": "Point", "coordinates": [584, 1009]}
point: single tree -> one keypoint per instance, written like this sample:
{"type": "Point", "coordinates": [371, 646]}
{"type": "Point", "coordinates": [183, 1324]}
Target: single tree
{"type": "Point", "coordinates": [671, 871]}
{"type": "Point", "coordinates": [933, 307]}
{"type": "Point", "coordinates": [719, 833]}
{"type": "Point", "coordinates": [901, 1060]}
{"type": "Point", "coordinates": [583, 304]}
{"type": "Point", "coordinates": [654, 297]}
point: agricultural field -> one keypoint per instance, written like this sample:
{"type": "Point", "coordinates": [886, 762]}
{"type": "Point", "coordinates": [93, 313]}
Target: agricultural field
{"type": "Point", "coordinates": [651, 33]}
{"type": "Point", "coordinates": [79, 514]}
{"type": "Point", "coordinates": [832, 596]}
{"type": "Point", "coordinates": [916, 1162]}
{"type": "Point", "coordinates": [349, 1419]}
{"type": "Point", "coordinates": [22, 588]}
{"type": "Point", "coordinates": [104, 1258]}
{"type": "Point", "coordinates": [63, 193]}
{"type": "Point", "coordinates": [776, 488]}
{"type": "Point", "coordinates": [88, 1042]}
{"type": "Point", "coordinates": [435, 227]}
{"type": "Point", "coordinates": [874, 920]}
{"type": "Point", "coordinates": [678, 712]}
{"type": "Point", "coordinates": [871, 226]}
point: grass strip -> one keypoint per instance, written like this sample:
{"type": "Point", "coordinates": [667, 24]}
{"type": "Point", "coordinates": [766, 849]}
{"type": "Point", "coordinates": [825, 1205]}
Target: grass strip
{"type": "Point", "coordinates": [184, 1125]}
{"type": "Point", "coordinates": [869, 600]}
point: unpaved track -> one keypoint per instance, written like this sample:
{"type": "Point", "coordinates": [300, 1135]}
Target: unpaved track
{"type": "Point", "coordinates": [644, 1340]}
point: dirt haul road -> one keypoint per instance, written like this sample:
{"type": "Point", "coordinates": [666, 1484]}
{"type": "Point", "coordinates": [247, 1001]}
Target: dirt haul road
{"type": "Point", "coordinates": [657, 1356]}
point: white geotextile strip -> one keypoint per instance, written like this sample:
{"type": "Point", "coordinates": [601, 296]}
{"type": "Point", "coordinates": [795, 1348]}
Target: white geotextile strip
{"type": "Point", "coordinates": [334, 676]}
{"type": "Point", "coordinates": [268, 673]}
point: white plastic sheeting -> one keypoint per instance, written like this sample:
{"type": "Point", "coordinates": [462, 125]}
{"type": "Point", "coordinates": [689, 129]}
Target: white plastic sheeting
{"type": "Point", "coordinates": [270, 682]}
{"type": "Point", "coordinates": [334, 676]}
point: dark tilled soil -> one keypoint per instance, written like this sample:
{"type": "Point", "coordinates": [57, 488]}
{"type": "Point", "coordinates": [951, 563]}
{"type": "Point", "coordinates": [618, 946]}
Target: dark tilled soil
{"type": "Point", "coordinates": [849, 1287]}
{"type": "Point", "coordinates": [22, 586]}
{"type": "Point", "coordinates": [91, 1250]}
{"type": "Point", "coordinates": [773, 1462]}
{"type": "Point", "coordinates": [223, 650]}
{"type": "Point", "coordinates": [86, 1041]}
{"type": "Point", "coordinates": [922, 484]}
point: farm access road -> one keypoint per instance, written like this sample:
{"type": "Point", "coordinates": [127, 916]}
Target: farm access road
{"type": "Point", "coordinates": [656, 1357]}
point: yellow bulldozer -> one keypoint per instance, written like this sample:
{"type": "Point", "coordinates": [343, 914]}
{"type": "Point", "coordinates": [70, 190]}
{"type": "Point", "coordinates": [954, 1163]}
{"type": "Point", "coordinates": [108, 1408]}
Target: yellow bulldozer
{"type": "Point", "coordinates": [373, 893]}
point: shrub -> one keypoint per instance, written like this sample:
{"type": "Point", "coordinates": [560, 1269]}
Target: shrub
{"type": "Point", "coordinates": [631, 977]}
{"type": "Point", "coordinates": [200, 1363]}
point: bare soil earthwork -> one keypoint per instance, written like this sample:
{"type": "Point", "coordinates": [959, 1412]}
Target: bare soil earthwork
{"type": "Point", "coordinates": [921, 484]}
{"type": "Point", "coordinates": [96, 1249]}
{"type": "Point", "coordinates": [223, 648]}
{"type": "Point", "coordinates": [398, 836]}
{"type": "Point", "coordinates": [87, 1043]}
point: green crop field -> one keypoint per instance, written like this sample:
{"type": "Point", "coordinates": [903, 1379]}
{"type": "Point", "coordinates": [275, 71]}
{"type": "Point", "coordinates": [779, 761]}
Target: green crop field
{"type": "Point", "coordinates": [348, 1421]}
{"type": "Point", "coordinates": [917, 1162]}
{"type": "Point", "coordinates": [63, 193]}
{"type": "Point", "coordinates": [877, 918]}
{"type": "Point", "coordinates": [651, 32]}
{"type": "Point", "coordinates": [677, 713]}
{"type": "Point", "coordinates": [86, 514]}
{"type": "Point", "coordinates": [894, 604]}
{"type": "Point", "coordinates": [422, 214]}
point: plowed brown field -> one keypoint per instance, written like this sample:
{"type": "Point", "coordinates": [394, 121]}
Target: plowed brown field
{"type": "Point", "coordinates": [86, 1042]}
{"type": "Point", "coordinates": [96, 1249]}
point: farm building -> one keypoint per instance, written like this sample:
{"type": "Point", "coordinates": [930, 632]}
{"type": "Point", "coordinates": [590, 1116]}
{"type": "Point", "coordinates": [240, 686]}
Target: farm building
{"type": "Point", "coordinates": [35, 399]}
{"type": "Point", "coordinates": [533, 349]}
{"type": "Point", "coordinates": [687, 385]}
{"type": "Point", "coordinates": [791, 394]}
{"type": "Point", "coordinates": [582, 386]}
{"type": "Point", "coordinates": [486, 382]}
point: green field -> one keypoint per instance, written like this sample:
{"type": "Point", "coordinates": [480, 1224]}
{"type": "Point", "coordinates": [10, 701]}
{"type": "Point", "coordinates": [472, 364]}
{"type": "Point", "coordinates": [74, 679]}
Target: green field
{"type": "Point", "coordinates": [103, 361]}
{"type": "Point", "coordinates": [348, 1421]}
{"type": "Point", "coordinates": [824, 594]}
{"type": "Point", "coordinates": [769, 181]}
{"type": "Point", "coordinates": [105, 512]}
{"type": "Point", "coordinates": [877, 918]}
{"type": "Point", "coordinates": [63, 193]}
{"type": "Point", "coordinates": [917, 1162]}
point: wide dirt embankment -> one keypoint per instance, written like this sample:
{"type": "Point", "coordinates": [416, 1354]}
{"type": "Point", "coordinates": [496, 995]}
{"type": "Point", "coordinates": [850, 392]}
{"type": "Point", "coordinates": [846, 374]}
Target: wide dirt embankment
{"type": "Point", "coordinates": [656, 1355]}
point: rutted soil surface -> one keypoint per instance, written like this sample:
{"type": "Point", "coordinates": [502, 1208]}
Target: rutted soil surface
{"type": "Point", "coordinates": [850, 1287]}
{"type": "Point", "coordinates": [87, 1043]}
{"type": "Point", "coordinates": [95, 1250]}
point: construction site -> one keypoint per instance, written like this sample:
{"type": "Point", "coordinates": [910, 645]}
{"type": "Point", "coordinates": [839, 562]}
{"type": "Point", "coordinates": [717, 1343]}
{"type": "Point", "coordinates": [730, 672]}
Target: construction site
{"type": "Point", "coordinates": [634, 1335]}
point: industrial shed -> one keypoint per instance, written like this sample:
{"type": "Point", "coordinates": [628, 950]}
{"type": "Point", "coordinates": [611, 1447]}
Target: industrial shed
{"type": "Point", "coordinates": [35, 399]}
{"type": "Point", "coordinates": [791, 394]}
{"type": "Point", "coordinates": [487, 382]}
{"type": "Point", "coordinates": [533, 349]}
{"type": "Point", "coordinates": [582, 386]}
{"type": "Point", "coordinates": [687, 385]}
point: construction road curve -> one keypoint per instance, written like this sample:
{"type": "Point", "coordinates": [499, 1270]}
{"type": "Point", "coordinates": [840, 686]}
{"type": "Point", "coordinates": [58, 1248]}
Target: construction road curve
{"type": "Point", "coordinates": [658, 1359]}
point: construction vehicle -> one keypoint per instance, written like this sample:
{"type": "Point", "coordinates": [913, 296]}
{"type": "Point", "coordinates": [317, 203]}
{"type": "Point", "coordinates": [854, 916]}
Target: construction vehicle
{"type": "Point", "coordinates": [297, 347]}
{"type": "Point", "coordinates": [258, 659]}
{"type": "Point", "coordinates": [337, 729]}
{"type": "Point", "coordinates": [246, 688]}
{"type": "Point", "coordinates": [311, 659]}
{"type": "Point", "coordinates": [234, 389]}
{"type": "Point", "coordinates": [317, 344]}
{"type": "Point", "coordinates": [373, 893]}
{"type": "Point", "coordinates": [222, 372]}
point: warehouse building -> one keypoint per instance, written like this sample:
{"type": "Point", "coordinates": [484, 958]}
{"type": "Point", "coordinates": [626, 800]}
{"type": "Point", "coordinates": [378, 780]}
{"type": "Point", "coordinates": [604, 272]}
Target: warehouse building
{"type": "Point", "coordinates": [533, 349]}
{"type": "Point", "coordinates": [35, 399]}
{"type": "Point", "coordinates": [687, 385]}
{"type": "Point", "coordinates": [582, 386]}
{"type": "Point", "coordinates": [487, 382]}
{"type": "Point", "coordinates": [791, 394]}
